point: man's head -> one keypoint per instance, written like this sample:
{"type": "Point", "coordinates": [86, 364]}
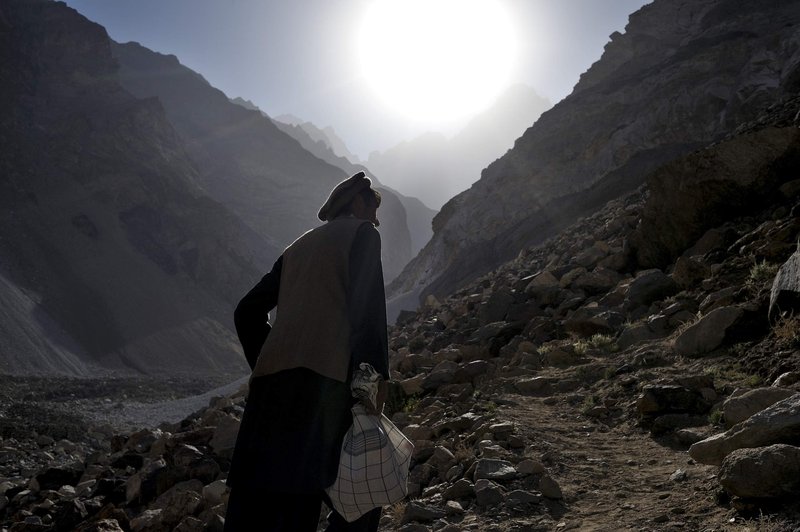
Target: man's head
{"type": "Point", "coordinates": [355, 196]}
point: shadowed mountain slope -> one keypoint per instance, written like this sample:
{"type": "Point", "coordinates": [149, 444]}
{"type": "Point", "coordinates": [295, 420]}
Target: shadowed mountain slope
{"type": "Point", "coordinates": [256, 170]}
{"type": "Point", "coordinates": [111, 254]}
{"type": "Point", "coordinates": [684, 75]}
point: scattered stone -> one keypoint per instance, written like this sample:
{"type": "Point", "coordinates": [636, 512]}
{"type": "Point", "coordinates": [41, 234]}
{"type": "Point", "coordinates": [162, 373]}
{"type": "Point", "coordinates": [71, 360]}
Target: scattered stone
{"type": "Point", "coordinates": [550, 488]}
{"type": "Point", "coordinates": [487, 493]}
{"type": "Point", "coordinates": [492, 469]}
{"type": "Point", "coordinates": [520, 498]}
{"type": "Point", "coordinates": [461, 489]}
{"type": "Point", "coordinates": [416, 511]}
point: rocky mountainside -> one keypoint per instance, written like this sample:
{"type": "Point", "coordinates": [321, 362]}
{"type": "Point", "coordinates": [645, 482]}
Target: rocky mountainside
{"type": "Point", "coordinates": [245, 162]}
{"type": "Point", "coordinates": [573, 388]}
{"type": "Point", "coordinates": [111, 253]}
{"type": "Point", "coordinates": [435, 168]}
{"type": "Point", "coordinates": [418, 216]}
{"type": "Point", "coordinates": [683, 75]}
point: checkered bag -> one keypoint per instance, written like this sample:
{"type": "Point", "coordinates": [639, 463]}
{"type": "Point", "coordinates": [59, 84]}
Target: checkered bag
{"type": "Point", "coordinates": [373, 466]}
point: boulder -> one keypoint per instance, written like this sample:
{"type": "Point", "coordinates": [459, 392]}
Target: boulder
{"type": "Point", "coordinates": [648, 286]}
{"type": "Point", "coordinates": [694, 193]}
{"type": "Point", "coordinates": [224, 438]}
{"type": "Point", "coordinates": [492, 469]}
{"type": "Point", "coordinates": [657, 400]}
{"type": "Point", "coordinates": [487, 493]}
{"type": "Point", "coordinates": [590, 321]}
{"type": "Point", "coordinates": [416, 511]}
{"type": "Point", "coordinates": [785, 293]}
{"type": "Point", "coordinates": [598, 281]}
{"type": "Point", "coordinates": [496, 307]}
{"type": "Point", "coordinates": [708, 333]}
{"type": "Point", "coordinates": [739, 407]}
{"type": "Point", "coordinates": [520, 498]}
{"type": "Point", "coordinates": [53, 478]}
{"type": "Point", "coordinates": [689, 271]}
{"type": "Point", "coordinates": [772, 471]}
{"type": "Point", "coordinates": [780, 423]}
{"type": "Point", "coordinates": [550, 488]}
{"type": "Point", "coordinates": [461, 489]}
{"type": "Point", "coordinates": [534, 386]}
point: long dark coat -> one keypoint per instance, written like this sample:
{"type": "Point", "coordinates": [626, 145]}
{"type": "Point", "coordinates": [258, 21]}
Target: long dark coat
{"type": "Point", "coordinates": [294, 421]}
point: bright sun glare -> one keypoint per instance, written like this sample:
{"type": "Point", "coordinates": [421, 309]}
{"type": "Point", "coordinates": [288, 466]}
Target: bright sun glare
{"type": "Point", "coordinates": [437, 59]}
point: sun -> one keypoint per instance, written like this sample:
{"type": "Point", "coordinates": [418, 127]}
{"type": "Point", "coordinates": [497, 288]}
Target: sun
{"type": "Point", "coordinates": [437, 60]}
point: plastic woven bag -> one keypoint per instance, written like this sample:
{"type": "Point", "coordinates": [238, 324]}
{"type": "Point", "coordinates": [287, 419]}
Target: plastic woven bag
{"type": "Point", "coordinates": [373, 466]}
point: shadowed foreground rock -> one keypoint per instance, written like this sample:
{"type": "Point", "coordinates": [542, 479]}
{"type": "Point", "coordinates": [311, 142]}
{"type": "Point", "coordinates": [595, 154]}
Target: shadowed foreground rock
{"type": "Point", "coordinates": [772, 471]}
{"type": "Point", "coordinates": [779, 423]}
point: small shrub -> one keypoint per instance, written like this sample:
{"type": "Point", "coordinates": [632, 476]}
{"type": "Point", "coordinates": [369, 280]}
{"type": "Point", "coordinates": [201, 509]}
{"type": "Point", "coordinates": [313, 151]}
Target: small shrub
{"type": "Point", "coordinates": [604, 342]}
{"type": "Point", "coordinates": [546, 348]}
{"type": "Point", "coordinates": [787, 329]}
{"type": "Point", "coordinates": [760, 275]}
{"type": "Point", "coordinates": [410, 404]}
{"type": "Point", "coordinates": [581, 347]}
{"type": "Point", "coordinates": [589, 402]}
{"type": "Point", "coordinates": [734, 374]}
{"type": "Point", "coordinates": [715, 417]}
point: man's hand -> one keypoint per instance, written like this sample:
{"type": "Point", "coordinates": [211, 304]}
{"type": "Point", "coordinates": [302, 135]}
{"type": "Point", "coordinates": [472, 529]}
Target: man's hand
{"type": "Point", "coordinates": [380, 399]}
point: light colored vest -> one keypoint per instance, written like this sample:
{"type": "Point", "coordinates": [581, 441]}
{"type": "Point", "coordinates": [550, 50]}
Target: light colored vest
{"type": "Point", "coordinates": [312, 327]}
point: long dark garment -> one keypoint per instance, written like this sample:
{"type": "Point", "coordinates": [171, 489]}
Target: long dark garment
{"type": "Point", "coordinates": [287, 450]}
{"type": "Point", "coordinates": [287, 453]}
{"type": "Point", "coordinates": [291, 432]}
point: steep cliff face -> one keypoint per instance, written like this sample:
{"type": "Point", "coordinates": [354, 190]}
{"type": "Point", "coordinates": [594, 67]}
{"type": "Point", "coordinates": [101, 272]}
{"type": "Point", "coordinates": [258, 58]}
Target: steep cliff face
{"type": "Point", "coordinates": [245, 161]}
{"type": "Point", "coordinates": [684, 74]}
{"type": "Point", "coordinates": [111, 254]}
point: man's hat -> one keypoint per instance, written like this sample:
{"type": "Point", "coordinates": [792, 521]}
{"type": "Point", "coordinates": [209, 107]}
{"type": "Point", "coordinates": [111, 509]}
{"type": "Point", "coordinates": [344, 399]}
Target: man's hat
{"type": "Point", "coordinates": [342, 194]}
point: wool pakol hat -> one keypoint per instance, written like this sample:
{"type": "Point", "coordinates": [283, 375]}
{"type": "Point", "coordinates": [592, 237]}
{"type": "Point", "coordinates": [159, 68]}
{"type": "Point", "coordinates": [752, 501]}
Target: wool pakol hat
{"type": "Point", "coordinates": [342, 194]}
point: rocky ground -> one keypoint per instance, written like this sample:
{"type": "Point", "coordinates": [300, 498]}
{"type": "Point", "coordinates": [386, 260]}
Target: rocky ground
{"type": "Point", "coordinates": [571, 389]}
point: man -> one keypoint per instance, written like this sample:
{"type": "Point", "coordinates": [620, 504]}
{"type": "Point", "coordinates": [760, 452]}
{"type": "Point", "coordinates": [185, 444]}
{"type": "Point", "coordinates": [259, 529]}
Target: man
{"type": "Point", "coordinates": [328, 287]}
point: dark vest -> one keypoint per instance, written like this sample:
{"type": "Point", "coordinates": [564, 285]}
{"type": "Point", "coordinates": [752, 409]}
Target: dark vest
{"type": "Point", "coordinates": [312, 326]}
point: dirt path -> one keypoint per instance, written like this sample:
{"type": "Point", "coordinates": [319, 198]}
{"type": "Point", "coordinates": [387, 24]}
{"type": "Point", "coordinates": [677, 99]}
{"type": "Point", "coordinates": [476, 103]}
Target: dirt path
{"type": "Point", "coordinates": [617, 478]}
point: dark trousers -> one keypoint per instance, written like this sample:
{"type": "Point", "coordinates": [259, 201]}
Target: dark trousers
{"type": "Point", "coordinates": [258, 511]}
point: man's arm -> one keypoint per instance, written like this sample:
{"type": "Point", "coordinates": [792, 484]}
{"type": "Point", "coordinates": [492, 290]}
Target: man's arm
{"type": "Point", "coordinates": [252, 313]}
{"type": "Point", "coordinates": [367, 303]}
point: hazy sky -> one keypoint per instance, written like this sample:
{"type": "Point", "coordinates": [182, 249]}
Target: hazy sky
{"type": "Point", "coordinates": [302, 56]}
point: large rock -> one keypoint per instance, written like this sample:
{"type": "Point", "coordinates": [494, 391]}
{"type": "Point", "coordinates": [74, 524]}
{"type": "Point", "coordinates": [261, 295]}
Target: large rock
{"type": "Point", "coordinates": [697, 192]}
{"type": "Point", "coordinates": [649, 286]}
{"type": "Point", "coordinates": [739, 407]}
{"type": "Point", "coordinates": [772, 471]}
{"type": "Point", "coordinates": [224, 439]}
{"type": "Point", "coordinates": [657, 400]}
{"type": "Point", "coordinates": [708, 333]}
{"type": "Point", "coordinates": [779, 423]}
{"type": "Point", "coordinates": [785, 293]}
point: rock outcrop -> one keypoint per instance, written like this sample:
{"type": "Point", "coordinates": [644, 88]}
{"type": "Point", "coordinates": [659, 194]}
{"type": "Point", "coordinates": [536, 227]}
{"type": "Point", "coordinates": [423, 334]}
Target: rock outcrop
{"type": "Point", "coordinates": [683, 75]}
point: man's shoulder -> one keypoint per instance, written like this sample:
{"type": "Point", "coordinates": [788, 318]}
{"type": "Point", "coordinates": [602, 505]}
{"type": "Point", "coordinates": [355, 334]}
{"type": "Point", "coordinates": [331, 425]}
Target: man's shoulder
{"type": "Point", "coordinates": [345, 228]}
